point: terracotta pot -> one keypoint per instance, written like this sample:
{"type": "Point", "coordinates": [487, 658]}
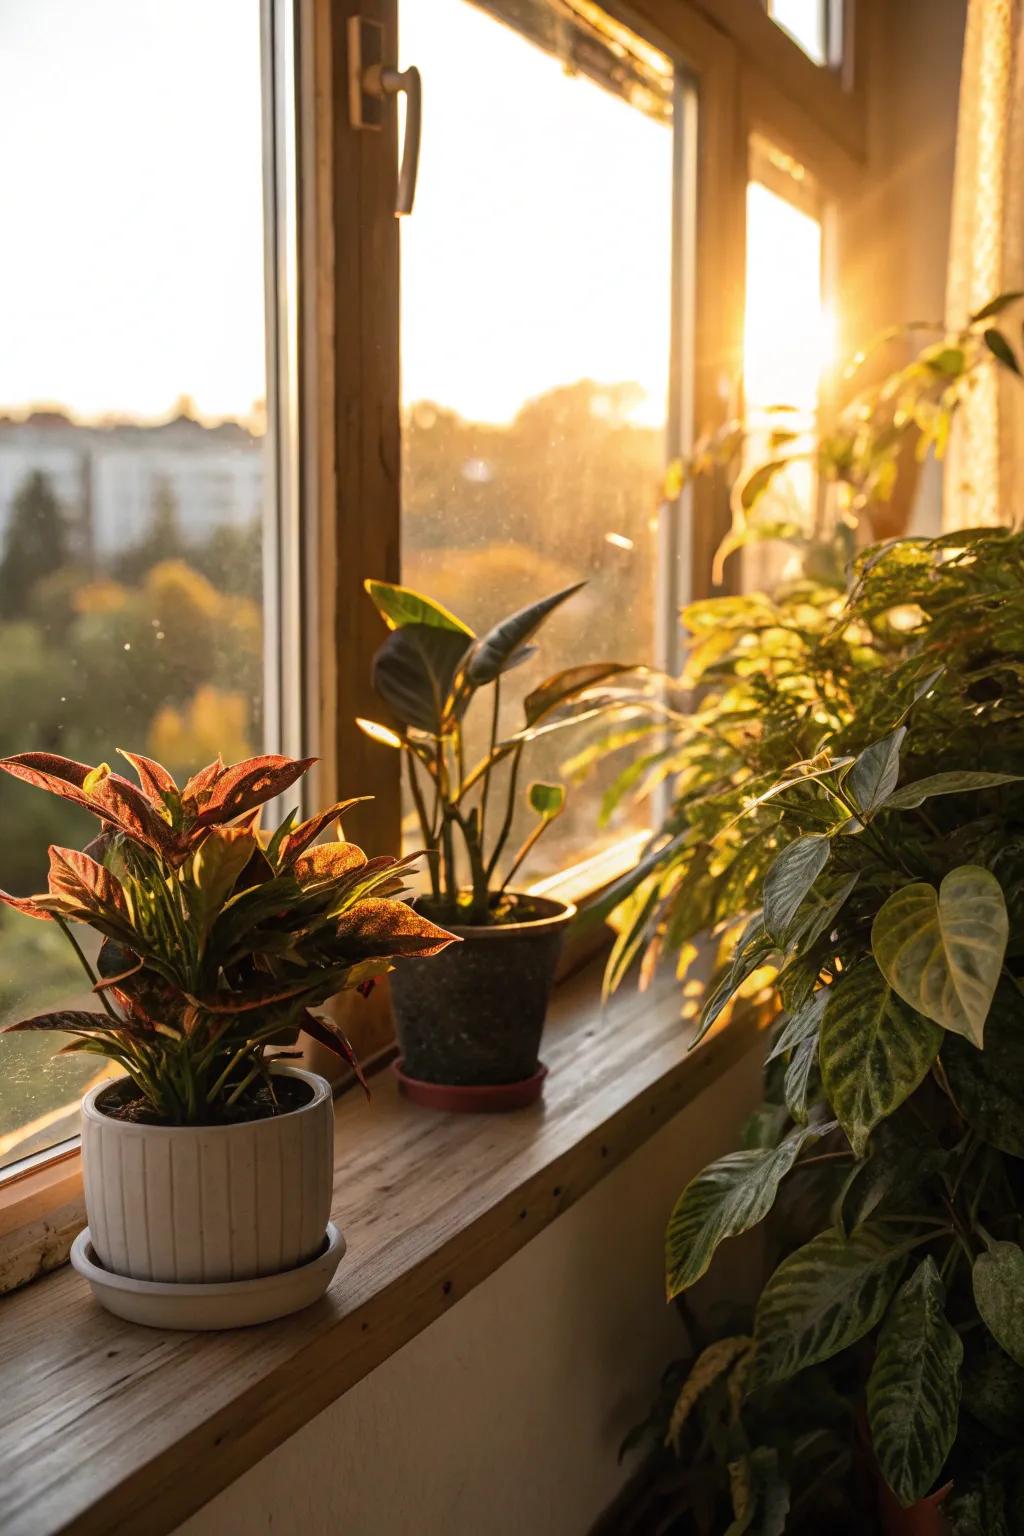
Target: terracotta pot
{"type": "Point", "coordinates": [474, 1015]}
{"type": "Point", "coordinates": [925, 1518]}
{"type": "Point", "coordinates": [211, 1203]}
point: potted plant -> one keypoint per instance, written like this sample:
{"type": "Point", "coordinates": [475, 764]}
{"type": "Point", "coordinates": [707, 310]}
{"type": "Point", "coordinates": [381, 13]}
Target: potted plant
{"type": "Point", "coordinates": [848, 826]}
{"type": "Point", "coordinates": [470, 1033]}
{"type": "Point", "coordinates": [208, 1164]}
{"type": "Point", "coordinates": [853, 823]}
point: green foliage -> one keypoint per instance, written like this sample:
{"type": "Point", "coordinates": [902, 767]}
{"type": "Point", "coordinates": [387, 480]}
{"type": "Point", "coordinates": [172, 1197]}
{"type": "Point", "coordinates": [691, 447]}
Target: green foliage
{"type": "Point", "coordinates": [217, 939]}
{"type": "Point", "coordinates": [849, 806]}
{"type": "Point", "coordinates": [914, 1386]}
{"type": "Point", "coordinates": [36, 543]}
{"type": "Point", "coordinates": [428, 673]}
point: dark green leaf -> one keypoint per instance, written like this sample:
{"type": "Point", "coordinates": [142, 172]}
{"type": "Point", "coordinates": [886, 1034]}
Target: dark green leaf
{"type": "Point", "coordinates": [727, 1198]}
{"type": "Point", "coordinates": [414, 671]}
{"type": "Point", "coordinates": [802, 1024]}
{"type": "Point", "coordinates": [914, 1387]}
{"type": "Point", "coordinates": [800, 1073]}
{"type": "Point", "coordinates": [874, 1051]}
{"type": "Point", "coordinates": [546, 799]}
{"type": "Point", "coordinates": [757, 483]}
{"type": "Point", "coordinates": [493, 652]}
{"type": "Point", "coordinates": [913, 795]}
{"type": "Point", "coordinates": [873, 776]}
{"type": "Point", "coordinates": [1001, 349]}
{"type": "Point", "coordinates": [789, 880]}
{"type": "Point", "coordinates": [996, 306]}
{"type": "Point", "coordinates": [824, 1297]}
{"type": "Point", "coordinates": [998, 1279]}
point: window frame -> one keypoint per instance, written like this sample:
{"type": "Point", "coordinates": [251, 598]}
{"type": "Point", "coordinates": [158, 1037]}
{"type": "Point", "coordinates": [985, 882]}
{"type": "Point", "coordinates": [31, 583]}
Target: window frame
{"type": "Point", "coordinates": [333, 330]}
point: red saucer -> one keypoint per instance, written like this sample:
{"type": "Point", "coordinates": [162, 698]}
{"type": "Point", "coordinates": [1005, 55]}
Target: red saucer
{"type": "Point", "coordinates": [480, 1098]}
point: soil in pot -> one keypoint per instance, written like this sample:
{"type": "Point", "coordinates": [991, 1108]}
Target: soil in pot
{"type": "Point", "coordinates": [474, 1015]}
{"type": "Point", "coordinates": [122, 1101]}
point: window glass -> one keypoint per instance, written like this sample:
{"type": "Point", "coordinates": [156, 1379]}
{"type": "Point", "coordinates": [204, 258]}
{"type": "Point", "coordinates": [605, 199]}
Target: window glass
{"type": "Point", "coordinates": [807, 22]}
{"type": "Point", "coordinates": [132, 381]}
{"type": "Point", "coordinates": [536, 278]}
{"type": "Point", "coordinates": [787, 346]}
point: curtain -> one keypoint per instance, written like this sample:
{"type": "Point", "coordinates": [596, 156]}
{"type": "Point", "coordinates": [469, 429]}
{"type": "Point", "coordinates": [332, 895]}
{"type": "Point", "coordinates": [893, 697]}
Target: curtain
{"type": "Point", "coordinates": [983, 477]}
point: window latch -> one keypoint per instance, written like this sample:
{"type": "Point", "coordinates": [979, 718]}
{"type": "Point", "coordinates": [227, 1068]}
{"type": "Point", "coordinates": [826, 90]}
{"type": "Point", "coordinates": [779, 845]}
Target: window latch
{"type": "Point", "coordinates": [370, 83]}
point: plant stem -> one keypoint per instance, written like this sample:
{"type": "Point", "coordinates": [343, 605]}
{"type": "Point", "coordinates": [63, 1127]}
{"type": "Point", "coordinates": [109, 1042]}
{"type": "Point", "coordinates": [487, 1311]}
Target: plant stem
{"type": "Point", "coordinates": [526, 846]}
{"type": "Point", "coordinates": [510, 808]}
{"type": "Point", "coordinates": [425, 829]}
{"type": "Point", "coordinates": [87, 968]}
{"type": "Point", "coordinates": [490, 760]}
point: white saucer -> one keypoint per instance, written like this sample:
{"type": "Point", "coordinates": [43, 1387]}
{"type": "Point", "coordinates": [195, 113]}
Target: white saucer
{"type": "Point", "coordinates": [230, 1304]}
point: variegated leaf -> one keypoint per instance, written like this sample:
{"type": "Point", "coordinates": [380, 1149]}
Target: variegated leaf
{"type": "Point", "coordinates": [942, 951]}
{"type": "Point", "coordinates": [729, 1197]}
{"type": "Point", "coordinates": [874, 1051]}
{"type": "Point", "coordinates": [914, 1387]}
{"type": "Point", "coordinates": [998, 1279]}
{"type": "Point", "coordinates": [822, 1298]}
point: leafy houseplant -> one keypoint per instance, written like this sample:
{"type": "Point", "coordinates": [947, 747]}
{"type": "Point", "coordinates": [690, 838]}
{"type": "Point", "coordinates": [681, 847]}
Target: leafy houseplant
{"type": "Point", "coordinates": [217, 940]}
{"type": "Point", "coordinates": [477, 1023]}
{"type": "Point", "coordinates": [851, 820]}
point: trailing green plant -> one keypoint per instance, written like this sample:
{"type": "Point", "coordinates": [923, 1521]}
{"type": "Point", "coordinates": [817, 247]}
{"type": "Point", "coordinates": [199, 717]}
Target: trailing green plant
{"type": "Point", "coordinates": [428, 672]}
{"type": "Point", "coordinates": [217, 938]}
{"type": "Point", "coordinates": [850, 818]}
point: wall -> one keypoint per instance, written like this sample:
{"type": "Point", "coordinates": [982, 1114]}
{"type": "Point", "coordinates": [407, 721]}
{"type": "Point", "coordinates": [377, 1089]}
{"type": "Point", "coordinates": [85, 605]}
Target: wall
{"type": "Point", "coordinates": [504, 1417]}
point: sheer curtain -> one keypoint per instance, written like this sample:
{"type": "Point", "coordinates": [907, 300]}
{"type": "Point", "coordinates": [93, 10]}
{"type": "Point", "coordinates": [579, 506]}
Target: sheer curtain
{"type": "Point", "coordinates": [986, 258]}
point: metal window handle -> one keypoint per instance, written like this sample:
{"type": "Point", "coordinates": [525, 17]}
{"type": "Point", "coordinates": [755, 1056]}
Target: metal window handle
{"type": "Point", "coordinates": [370, 83]}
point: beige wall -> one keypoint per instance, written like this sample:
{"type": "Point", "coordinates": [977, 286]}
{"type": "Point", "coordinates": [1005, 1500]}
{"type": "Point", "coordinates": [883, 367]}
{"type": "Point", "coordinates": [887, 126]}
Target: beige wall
{"type": "Point", "coordinates": [504, 1417]}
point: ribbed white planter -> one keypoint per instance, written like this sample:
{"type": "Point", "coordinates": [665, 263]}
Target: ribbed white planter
{"type": "Point", "coordinates": [209, 1203]}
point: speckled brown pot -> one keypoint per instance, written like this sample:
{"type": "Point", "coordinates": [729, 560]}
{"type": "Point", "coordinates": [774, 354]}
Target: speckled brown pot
{"type": "Point", "coordinates": [474, 1014]}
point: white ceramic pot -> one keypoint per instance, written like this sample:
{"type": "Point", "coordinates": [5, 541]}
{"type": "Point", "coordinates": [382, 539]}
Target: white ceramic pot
{"type": "Point", "coordinates": [210, 1203]}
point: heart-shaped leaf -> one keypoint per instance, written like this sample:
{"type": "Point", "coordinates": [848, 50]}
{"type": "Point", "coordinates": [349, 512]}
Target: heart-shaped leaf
{"type": "Point", "coordinates": [789, 880]}
{"type": "Point", "coordinates": [988, 1085]}
{"type": "Point", "coordinates": [546, 799]}
{"type": "Point", "coordinates": [873, 776]}
{"type": "Point", "coordinates": [912, 795]}
{"type": "Point", "coordinates": [414, 672]}
{"type": "Point", "coordinates": [729, 1197]}
{"type": "Point", "coordinates": [914, 1387]}
{"type": "Point", "coordinates": [942, 951]}
{"type": "Point", "coordinates": [998, 1278]}
{"type": "Point", "coordinates": [399, 606]}
{"type": "Point", "coordinates": [874, 1051]}
{"type": "Point", "coordinates": [824, 1297]}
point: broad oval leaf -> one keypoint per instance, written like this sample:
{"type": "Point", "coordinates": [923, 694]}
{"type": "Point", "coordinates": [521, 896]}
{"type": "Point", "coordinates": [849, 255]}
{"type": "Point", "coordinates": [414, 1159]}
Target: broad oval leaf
{"type": "Point", "coordinates": [874, 1051]}
{"type": "Point", "coordinates": [824, 1297]}
{"type": "Point", "coordinates": [873, 776]}
{"type": "Point", "coordinates": [998, 1279]}
{"type": "Point", "coordinates": [988, 1085]}
{"type": "Point", "coordinates": [399, 606]}
{"type": "Point", "coordinates": [493, 653]}
{"type": "Point", "coordinates": [789, 880]}
{"type": "Point", "coordinates": [914, 1386]}
{"type": "Point", "coordinates": [912, 795]}
{"type": "Point", "coordinates": [414, 671]}
{"type": "Point", "coordinates": [942, 951]}
{"type": "Point", "coordinates": [729, 1197]}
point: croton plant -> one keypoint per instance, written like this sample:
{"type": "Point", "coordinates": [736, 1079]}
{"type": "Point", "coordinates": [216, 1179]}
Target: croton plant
{"type": "Point", "coordinates": [218, 938]}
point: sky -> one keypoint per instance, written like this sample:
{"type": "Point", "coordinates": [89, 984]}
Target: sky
{"type": "Point", "coordinates": [132, 269]}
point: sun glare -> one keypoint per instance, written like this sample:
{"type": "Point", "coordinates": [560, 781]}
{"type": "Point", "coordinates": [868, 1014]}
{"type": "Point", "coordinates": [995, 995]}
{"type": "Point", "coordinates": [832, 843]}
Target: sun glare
{"type": "Point", "coordinates": [789, 333]}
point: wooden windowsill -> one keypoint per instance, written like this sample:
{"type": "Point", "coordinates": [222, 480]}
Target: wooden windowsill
{"type": "Point", "coordinates": [106, 1426]}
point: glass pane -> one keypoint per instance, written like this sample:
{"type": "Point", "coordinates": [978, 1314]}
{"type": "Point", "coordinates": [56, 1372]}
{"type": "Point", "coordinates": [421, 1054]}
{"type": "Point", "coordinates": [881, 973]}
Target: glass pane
{"type": "Point", "coordinates": [535, 344]}
{"type": "Point", "coordinates": [806, 21]}
{"type": "Point", "coordinates": [132, 381]}
{"type": "Point", "coordinates": [787, 344]}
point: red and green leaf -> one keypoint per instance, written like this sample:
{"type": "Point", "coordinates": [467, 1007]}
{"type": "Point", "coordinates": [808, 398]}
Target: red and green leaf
{"type": "Point", "coordinates": [377, 926]}
{"type": "Point", "coordinates": [324, 1030]}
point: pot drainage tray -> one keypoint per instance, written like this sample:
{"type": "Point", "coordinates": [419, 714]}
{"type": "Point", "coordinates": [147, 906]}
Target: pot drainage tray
{"type": "Point", "coordinates": [227, 1304]}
